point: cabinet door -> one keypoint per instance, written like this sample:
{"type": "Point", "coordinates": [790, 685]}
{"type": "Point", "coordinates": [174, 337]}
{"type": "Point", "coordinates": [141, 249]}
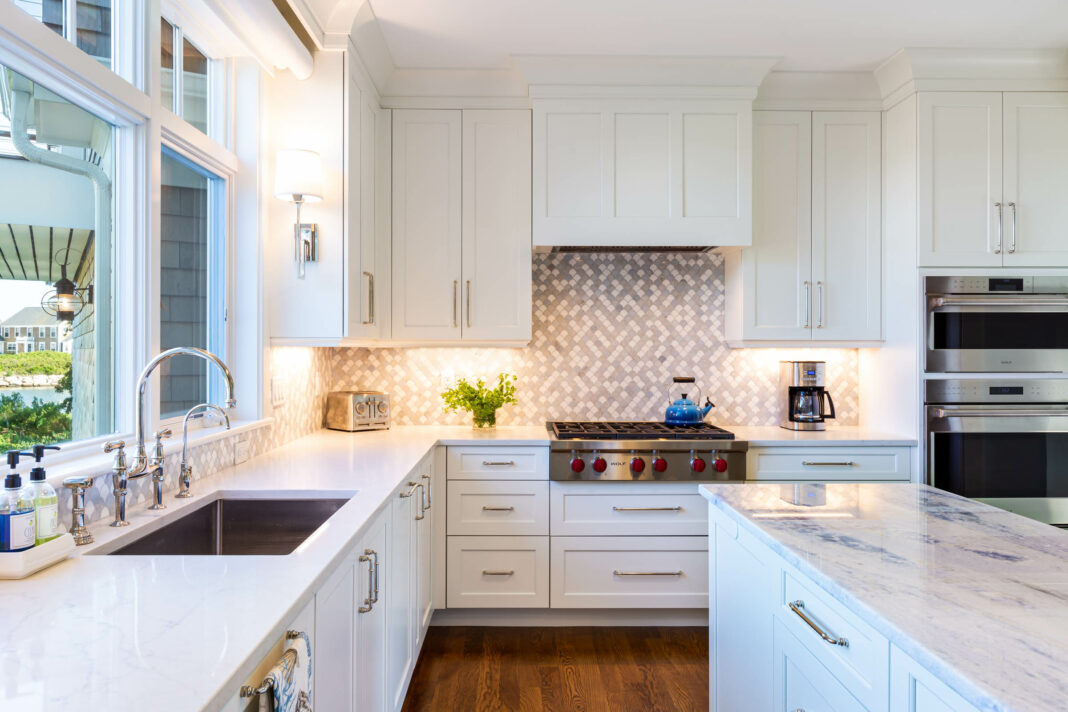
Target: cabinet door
{"type": "Point", "coordinates": [496, 225]}
{"type": "Point", "coordinates": [334, 626]}
{"type": "Point", "coordinates": [426, 224]}
{"type": "Point", "coordinates": [363, 279]}
{"type": "Point", "coordinates": [914, 689]}
{"type": "Point", "coordinates": [1036, 179]}
{"type": "Point", "coordinates": [777, 270]}
{"type": "Point", "coordinates": [959, 166]}
{"type": "Point", "coordinates": [846, 220]}
{"type": "Point", "coordinates": [425, 549]}
{"type": "Point", "coordinates": [402, 576]}
{"type": "Point", "coordinates": [801, 681]}
{"type": "Point", "coordinates": [371, 617]}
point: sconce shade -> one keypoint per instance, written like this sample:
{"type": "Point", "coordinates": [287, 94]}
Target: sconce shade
{"type": "Point", "coordinates": [298, 172]}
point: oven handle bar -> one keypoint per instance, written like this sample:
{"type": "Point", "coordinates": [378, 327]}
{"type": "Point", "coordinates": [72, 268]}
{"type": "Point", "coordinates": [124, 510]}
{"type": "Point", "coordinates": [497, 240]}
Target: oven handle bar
{"type": "Point", "coordinates": [1007, 301]}
{"type": "Point", "coordinates": [1000, 413]}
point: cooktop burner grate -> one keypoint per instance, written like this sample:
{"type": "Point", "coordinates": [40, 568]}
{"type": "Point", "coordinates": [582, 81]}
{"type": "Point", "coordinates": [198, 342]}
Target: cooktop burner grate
{"type": "Point", "coordinates": [579, 430]}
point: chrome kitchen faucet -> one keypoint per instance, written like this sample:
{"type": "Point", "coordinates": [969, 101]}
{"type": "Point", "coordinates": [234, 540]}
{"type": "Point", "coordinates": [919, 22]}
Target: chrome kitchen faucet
{"type": "Point", "coordinates": [143, 465]}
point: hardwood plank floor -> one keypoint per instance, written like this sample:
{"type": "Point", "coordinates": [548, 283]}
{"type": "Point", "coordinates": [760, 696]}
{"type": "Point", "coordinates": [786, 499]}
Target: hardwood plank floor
{"type": "Point", "coordinates": [561, 670]}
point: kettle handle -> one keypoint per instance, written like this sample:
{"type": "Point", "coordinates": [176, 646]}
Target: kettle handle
{"type": "Point", "coordinates": [830, 401]}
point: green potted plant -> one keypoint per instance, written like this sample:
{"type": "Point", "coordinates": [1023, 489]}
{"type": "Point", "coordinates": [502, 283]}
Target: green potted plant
{"type": "Point", "coordinates": [481, 402]}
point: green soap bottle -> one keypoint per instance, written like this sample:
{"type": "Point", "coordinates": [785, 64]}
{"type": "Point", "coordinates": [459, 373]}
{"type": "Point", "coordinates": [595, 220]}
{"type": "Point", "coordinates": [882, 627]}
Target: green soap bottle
{"type": "Point", "coordinates": [45, 499]}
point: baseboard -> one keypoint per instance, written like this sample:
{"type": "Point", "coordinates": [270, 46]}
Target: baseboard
{"type": "Point", "coordinates": [570, 617]}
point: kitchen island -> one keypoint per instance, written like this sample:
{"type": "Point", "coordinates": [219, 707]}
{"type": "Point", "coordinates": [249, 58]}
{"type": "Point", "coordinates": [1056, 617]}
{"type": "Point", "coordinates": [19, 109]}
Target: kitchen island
{"type": "Point", "coordinates": [883, 597]}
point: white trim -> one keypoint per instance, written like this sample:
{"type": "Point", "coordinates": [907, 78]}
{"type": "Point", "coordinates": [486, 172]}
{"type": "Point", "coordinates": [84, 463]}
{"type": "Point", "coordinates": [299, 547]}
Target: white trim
{"type": "Point", "coordinates": [567, 617]}
{"type": "Point", "coordinates": [183, 138]}
{"type": "Point", "coordinates": [644, 70]}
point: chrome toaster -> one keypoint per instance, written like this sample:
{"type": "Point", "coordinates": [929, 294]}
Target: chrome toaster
{"type": "Point", "coordinates": [357, 410]}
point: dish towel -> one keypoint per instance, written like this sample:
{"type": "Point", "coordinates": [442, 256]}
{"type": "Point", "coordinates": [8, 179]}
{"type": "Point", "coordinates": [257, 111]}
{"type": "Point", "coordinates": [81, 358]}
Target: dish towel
{"type": "Point", "coordinates": [291, 683]}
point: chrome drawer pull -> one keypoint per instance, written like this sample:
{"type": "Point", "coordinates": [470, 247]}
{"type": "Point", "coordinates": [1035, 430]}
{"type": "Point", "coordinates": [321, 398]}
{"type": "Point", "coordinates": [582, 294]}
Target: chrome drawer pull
{"type": "Point", "coordinates": [847, 463]}
{"type": "Point", "coordinates": [507, 463]}
{"type": "Point", "coordinates": [411, 490]}
{"type": "Point", "coordinates": [498, 509]}
{"type": "Point", "coordinates": [646, 509]}
{"type": "Point", "coordinates": [796, 607]}
{"type": "Point", "coordinates": [647, 573]}
{"type": "Point", "coordinates": [498, 573]}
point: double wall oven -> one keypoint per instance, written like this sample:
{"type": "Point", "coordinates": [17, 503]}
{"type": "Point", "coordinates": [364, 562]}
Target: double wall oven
{"type": "Point", "coordinates": [1002, 440]}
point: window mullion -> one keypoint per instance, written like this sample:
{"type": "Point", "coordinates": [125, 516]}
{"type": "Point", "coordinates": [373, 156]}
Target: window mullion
{"type": "Point", "coordinates": [176, 85]}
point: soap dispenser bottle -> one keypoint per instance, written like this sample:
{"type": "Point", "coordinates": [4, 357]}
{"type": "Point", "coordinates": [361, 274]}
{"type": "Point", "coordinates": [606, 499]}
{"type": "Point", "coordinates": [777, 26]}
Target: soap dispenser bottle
{"type": "Point", "coordinates": [18, 529]}
{"type": "Point", "coordinates": [45, 499]}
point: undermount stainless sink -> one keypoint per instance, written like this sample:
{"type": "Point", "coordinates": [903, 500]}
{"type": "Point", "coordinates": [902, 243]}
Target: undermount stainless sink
{"type": "Point", "coordinates": [237, 527]}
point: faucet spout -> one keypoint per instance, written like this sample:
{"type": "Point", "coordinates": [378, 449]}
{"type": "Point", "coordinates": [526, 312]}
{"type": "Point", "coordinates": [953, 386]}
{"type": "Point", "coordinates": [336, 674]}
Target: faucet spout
{"type": "Point", "coordinates": [140, 463]}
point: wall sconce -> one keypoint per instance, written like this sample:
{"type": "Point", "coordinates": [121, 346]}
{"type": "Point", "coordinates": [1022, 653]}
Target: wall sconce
{"type": "Point", "coordinates": [298, 178]}
{"type": "Point", "coordinates": [67, 299]}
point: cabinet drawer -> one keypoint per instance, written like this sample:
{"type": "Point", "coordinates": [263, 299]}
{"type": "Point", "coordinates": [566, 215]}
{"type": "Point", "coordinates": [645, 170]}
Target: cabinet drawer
{"type": "Point", "coordinates": [801, 682]}
{"type": "Point", "coordinates": [496, 463]}
{"type": "Point", "coordinates": [514, 508]}
{"type": "Point", "coordinates": [626, 509]}
{"type": "Point", "coordinates": [862, 664]}
{"type": "Point", "coordinates": [628, 572]}
{"type": "Point", "coordinates": [830, 464]}
{"type": "Point", "coordinates": [498, 572]}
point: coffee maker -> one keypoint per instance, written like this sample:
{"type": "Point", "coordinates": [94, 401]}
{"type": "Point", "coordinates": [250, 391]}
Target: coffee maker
{"type": "Point", "coordinates": [802, 393]}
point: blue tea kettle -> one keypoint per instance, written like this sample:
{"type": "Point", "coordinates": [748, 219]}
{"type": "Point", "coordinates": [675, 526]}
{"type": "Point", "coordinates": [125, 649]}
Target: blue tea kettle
{"type": "Point", "coordinates": [683, 410]}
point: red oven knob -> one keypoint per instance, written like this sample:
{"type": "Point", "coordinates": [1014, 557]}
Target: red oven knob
{"type": "Point", "coordinates": [697, 464]}
{"type": "Point", "coordinates": [659, 464]}
{"type": "Point", "coordinates": [599, 465]}
{"type": "Point", "coordinates": [577, 465]}
{"type": "Point", "coordinates": [720, 464]}
{"type": "Point", "coordinates": [637, 464]}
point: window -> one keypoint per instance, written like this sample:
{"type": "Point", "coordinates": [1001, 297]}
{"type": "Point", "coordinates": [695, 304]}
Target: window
{"type": "Point", "coordinates": [52, 332]}
{"type": "Point", "coordinates": [7, 332]}
{"type": "Point", "coordinates": [52, 346]}
{"type": "Point", "coordinates": [192, 279]}
{"type": "Point", "coordinates": [87, 23]}
{"type": "Point", "coordinates": [185, 76]}
{"type": "Point", "coordinates": [12, 347]}
{"type": "Point", "coordinates": [50, 227]}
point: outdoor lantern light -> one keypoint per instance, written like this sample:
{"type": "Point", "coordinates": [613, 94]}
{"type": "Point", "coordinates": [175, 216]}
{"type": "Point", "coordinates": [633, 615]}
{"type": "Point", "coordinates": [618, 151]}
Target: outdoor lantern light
{"type": "Point", "coordinates": [298, 178]}
{"type": "Point", "coordinates": [67, 300]}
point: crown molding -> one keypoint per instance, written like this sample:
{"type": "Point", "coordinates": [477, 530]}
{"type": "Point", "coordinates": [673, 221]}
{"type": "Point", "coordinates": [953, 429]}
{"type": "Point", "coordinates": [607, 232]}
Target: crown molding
{"type": "Point", "coordinates": [591, 70]}
{"type": "Point", "coordinates": [819, 91]}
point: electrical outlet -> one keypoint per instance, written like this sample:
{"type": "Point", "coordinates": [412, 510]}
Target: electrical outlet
{"type": "Point", "coordinates": [278, 395]}
{"type": "Point", "coordinates": [447, 379]}
{"type": "Point", "coordinates": [241, 448]}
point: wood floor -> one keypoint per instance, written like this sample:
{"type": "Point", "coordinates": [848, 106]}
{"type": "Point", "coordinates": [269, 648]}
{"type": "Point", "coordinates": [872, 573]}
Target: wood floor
{"type": "Point", "coordinates": [561, 669]}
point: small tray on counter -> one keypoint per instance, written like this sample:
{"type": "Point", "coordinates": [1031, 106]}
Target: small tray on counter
{"type": "Point", "coordinates": [20, 564]}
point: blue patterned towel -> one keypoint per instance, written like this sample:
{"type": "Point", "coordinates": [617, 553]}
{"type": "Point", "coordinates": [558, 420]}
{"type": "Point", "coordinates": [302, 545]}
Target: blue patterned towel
{"type": "Point", "coordinates": [291, 685]}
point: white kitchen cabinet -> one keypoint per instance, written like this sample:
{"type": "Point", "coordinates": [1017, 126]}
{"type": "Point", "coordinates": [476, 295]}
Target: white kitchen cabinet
{"type": "Point", "coordinates": [914, 689]}
{"type": "Point", "coordinates": [1035, 179]}
{"type": "Point", "coordinates": [829, 464]}
{"type": "Point", "coordinates": [814, 271]}
{"type": "Point", "coordinates": [402, 590]}
{"type": "Point", "coordinates": [801, 681]}
{"type": "Point", "coordinates": [461, 226]}
{"type": "Point", "coordinates": [370, 601]}
{"type": "Point", "coordinates": [427, 220]}
{"type": "Point", "coordinates": [626, 509]}
{"type": "Point", "coordinates": [424, 537]}
{"type": "Point", "coordinates": [993, 170]}
{"type": "Point", "coordinates": [333, 663]}
{"type": "Point", "coordinates": [498, 572]}
{"type": "Point", "coordinates": [642, 172]}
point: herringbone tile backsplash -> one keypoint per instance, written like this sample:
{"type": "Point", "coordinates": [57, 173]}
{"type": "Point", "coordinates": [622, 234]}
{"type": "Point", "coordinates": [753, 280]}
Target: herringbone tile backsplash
{"type": "Point", "coordinates": [609, 333]}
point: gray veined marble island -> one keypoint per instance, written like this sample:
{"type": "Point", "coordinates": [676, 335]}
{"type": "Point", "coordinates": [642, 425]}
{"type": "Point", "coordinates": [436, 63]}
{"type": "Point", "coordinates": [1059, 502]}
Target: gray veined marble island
{"type": "Point", "coordinates": [882, 598]}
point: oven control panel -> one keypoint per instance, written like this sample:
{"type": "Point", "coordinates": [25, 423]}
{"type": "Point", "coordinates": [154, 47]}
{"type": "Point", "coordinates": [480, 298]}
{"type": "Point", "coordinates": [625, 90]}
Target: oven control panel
{"type": "Point", "coordinates": [1011, 284]}
{"type": "Point", "coordinates": [997, 391]}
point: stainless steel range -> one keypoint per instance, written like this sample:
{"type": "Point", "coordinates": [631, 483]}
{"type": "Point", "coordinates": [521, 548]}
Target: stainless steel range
{"type": "Point", "coordinates": [631, 452]}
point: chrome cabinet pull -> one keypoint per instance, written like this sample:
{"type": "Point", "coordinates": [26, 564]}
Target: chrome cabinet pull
{"type": "Point", "coordinates": [819, 304]}
{"type": "Point", "coordinates": [455, 296]}
{"type": "Point", "coordinates": [506, 463]}
{"type": "Point", "coordinates": [498, 509]}
{"type": "Point", "coordinates": [428, 498]}
{"type": "Point", "coordinates": [1012, 235]}
{"type": "Point", "coordinates": [497, 573]}
{"type": "Point", "coordinates": [1003, 301]}
{"type": "Point", "coordinates": [798, 606]}
{"type": "Point", "coordinates": [646, 509]}
{"type": "Point", "coordinates": [647, 573]}
{"type": "Point", "coordinates": [808, 304]}
{"type": "Point", "coordinates": [468, 304]}
{"type": "Point", "coordinates": [422, 502]}
{"type": "Point", "coordinates": [1001, 229]}
{"type": "Point", "coordinates": [267, 684]}
{"type": "Point", "coordinates": [370, 298]}
{"type": "Point", "coordinates": [372, 580]}
{"type": "Point", "coordinates": [847, 463]}
{"type": "Point", "coordinates": [999, 413]}
{"type": "Point", "coordinates": [411, 490]}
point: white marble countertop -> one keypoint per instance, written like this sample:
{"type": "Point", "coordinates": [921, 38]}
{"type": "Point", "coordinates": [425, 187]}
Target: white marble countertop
{"type": "Point", "coordinates": [977, 595]}
{"type": "Point", "coordinates": [181, 633]}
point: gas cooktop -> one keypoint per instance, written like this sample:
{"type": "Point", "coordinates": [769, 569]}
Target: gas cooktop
{"type": "Point", "coordinates": [579, 430]}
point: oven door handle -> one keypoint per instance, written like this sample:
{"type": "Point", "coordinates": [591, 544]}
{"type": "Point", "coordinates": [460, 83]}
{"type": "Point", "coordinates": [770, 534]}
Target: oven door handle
{"type": "Point", "coordinates": [1003, 302]}
{"type": "Point", "coordinates": [999, 413]}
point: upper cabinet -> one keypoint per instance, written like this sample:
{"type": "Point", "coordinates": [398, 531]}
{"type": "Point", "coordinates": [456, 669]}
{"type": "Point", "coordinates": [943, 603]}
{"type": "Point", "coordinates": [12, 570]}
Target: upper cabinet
{"type": "Point", "coordinates": [814, 271]}
{"type": "Point", "coordinates": [461, 226]}
{"type": "Point", "coordinates": [634, 172]}
{"type": "Point", "coordinates": [993, 173]}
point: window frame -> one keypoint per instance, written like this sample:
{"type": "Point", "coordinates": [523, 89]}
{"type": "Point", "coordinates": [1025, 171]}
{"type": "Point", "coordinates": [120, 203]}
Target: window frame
{"type": "Point", "coordinates": [207, 40]}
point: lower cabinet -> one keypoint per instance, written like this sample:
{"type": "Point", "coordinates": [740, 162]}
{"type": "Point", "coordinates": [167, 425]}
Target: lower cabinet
{"type": "Point", "coordinates": [779, 643]}
{"type": "Point", "coordinates": [829, 464]}
{"type": "Point", "coordinates": [369, 672]}
{"type": "Point", "coordinates": [335, 633]}
{"type": "Point", "coordinates": [498, 572]}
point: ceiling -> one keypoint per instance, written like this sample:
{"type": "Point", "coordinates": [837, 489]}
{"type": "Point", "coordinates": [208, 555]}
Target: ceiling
{"type": "Point", "coordinates": [809, 35]}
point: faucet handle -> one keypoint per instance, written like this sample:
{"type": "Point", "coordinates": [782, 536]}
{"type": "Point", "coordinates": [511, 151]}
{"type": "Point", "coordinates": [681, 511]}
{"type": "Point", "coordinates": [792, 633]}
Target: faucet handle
{"type": "Point", "coordinates": [163, 434]}
{"type": "Point", "coordinates": [78, 483]}
{"type": "Point", "coordinates": [119, 446]}
{"type": "Point", "coordinates": [114, 445]}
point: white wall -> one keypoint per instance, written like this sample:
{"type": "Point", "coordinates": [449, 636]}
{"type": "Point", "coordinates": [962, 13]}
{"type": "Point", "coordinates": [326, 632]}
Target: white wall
{"type": "Point", "coordinates": [31, 194]}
